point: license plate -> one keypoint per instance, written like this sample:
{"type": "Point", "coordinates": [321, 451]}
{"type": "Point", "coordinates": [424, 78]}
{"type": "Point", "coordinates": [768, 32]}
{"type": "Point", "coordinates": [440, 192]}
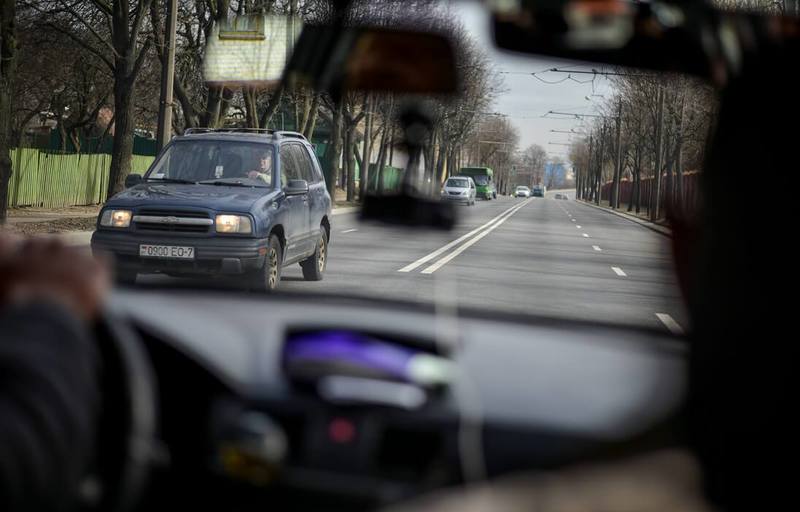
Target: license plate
{"type": "Point", "coordinates": [166, 251]}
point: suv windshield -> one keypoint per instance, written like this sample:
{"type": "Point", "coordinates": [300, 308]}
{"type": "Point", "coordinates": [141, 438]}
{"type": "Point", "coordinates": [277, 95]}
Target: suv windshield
{"type": "Point", "coordinates": [457, 183]}
{"type": "Point", "coordinates": [215, 161]}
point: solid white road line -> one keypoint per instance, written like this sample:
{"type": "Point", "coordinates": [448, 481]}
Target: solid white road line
{"type": "Point", "coordinates": [596, 248]}
{"type": "Point", "coordinates": [439, 264]}
{"type": "Point", "coordinates": [437, 252]}
{"type": "Point", "coordinates": [619, 271]}
{"type": "Point", "coordinates": [670, 323]}
{"type": "Point", "coordinates": [349, 230]}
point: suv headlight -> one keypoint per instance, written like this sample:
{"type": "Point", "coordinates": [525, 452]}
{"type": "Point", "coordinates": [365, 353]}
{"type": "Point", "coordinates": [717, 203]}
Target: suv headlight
{"type": "Point", "coordinates": [116, 218]}
{"type": "Point", "coordinates": [233, 224]}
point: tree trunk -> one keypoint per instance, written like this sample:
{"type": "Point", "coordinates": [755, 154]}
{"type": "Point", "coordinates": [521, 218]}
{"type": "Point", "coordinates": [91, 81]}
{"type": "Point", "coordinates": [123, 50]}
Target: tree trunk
{"type": "Point", "coordinates": [391, 148]}
{"type": "Point", "coordinates": [250, 95]}
{"type": "Point", "coordinates": [382, 161]}
{"type": "Point", "coordinates": [8, 50]}
{"type": "Point", "coordinates": [637, 179]}
{"type": "Point", "coordinates": [213, 103]}
{"type": "Point", "coordinates": [75, 137]}
{"type": "Point", "coordinates": [440, 162]}
{"type": "Point", "coordinates": [655, 199]}
{"type": "Point", "coordinates": [364, 164]}
{"type": "Point", "coordinates": [679, 181]}
{"type": "Point", "coordinates": [676, 189]}
{"type": "Point", "coordinates": [272, 106]}
{"type": "Point", "coordinates": [350, 148]}
{"type": "Point", "coordinates": [311, 118]}
{"type": "Point", "coordinates": [617, 161]}
{"type": "Point", "coordinates": [62, 134]}
{"type": "Point", "coordinates": [598, 179]}
{"type": "Point", "coordinates": [122, 149]}
{"type": "Point", "coordinates": [334, 152]}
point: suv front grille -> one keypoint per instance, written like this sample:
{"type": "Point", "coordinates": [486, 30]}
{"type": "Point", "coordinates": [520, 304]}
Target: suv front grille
{"type": "Point", "coordinates": [175, 221]}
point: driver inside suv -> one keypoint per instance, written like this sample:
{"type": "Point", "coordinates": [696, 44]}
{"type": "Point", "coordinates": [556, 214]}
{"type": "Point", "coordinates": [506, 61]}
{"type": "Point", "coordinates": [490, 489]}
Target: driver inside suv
{"type": "Point", "coordinates": [262, 169]}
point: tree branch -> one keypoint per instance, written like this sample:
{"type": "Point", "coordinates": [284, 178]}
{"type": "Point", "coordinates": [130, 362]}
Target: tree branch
{"type": "Point", "coordinates": [104, 6]}
{"type": "Point", "coordinates": [91, 29]}
{"type": "Point", "coordinates": [85, 45]}
{"type": "Point", "coordinates": [142, 8]}
{"type": "Point", "coordinates": [140, 58]}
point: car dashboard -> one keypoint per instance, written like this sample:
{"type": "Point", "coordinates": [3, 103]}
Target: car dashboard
{"type": "Point", "coordinates": [525, 394]}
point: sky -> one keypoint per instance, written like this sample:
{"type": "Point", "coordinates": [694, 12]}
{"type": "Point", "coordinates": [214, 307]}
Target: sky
{"type": "Point", "coordinates": [525, 99]}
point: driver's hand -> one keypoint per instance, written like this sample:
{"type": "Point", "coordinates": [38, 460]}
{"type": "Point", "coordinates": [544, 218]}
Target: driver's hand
{"type": "Point", "coordinates": [44, 269]}
{"type": "Point", "coordinates": [253, 175]}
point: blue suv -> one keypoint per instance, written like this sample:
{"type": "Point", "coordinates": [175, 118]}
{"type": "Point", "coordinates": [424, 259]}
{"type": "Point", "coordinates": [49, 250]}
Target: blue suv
{"type": "Point", "coordinates": [233, 202]}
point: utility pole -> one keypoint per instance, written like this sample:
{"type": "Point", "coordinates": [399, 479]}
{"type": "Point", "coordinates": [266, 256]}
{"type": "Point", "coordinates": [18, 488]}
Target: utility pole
{"type": "Point", "coordinates": [167, 78]}
{"type": "Point", "coordinates": [586, 191]}
{"type": "Point", "coordinates": [599, 174]}
{"type": "Point", "coordinates": [618, 167]}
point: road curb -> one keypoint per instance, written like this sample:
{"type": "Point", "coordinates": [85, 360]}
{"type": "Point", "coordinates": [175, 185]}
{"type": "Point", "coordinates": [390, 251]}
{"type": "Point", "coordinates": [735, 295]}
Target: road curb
{"type": "Point", "coordinates": [649, 225]}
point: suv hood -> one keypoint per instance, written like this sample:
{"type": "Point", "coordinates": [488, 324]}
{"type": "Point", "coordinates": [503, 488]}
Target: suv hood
{"type": "Point", "coordinates": [216, 197]}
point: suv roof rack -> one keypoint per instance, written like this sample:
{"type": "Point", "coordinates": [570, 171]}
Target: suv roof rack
{"type": "Point", "coordinates": [295, 135]}
{"type": "Point", "coordinates": [266, 131]}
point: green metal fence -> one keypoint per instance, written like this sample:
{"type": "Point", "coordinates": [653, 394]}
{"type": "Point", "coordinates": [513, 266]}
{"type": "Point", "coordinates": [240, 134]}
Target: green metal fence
{"type": "Point", "coordinates": [50, 180]}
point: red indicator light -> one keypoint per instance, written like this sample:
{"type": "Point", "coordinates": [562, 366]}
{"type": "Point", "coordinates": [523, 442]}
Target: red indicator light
{"type": "Point", "coordinates": [341, 431]}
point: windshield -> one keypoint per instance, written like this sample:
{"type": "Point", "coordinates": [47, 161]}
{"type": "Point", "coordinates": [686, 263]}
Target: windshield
{"type": "Point", "coordinates": [622, 144]}
{"type": "Point", "coordinates": [215, 161]}
{"type": "Point", "coordinates": [457, 183]}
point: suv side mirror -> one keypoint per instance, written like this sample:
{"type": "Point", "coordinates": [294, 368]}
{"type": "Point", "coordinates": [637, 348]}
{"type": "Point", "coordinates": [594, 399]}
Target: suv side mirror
{"type": "Point", "coordinates": [132, 180]}
{"type": "Point", "coordinates": [296, 188]}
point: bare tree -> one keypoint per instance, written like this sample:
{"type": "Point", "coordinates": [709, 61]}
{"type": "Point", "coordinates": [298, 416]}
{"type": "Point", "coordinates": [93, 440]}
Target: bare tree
{"type": "Point", "coordinates": [113, 31]}
{"type": "Point", "coordinates": [8, 61]}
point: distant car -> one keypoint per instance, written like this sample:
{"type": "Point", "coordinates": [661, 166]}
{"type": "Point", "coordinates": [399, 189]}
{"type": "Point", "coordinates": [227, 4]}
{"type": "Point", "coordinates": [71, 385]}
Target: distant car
{"type": "Point", "coordinates": [538, 191]}
{"type": "Point", "coordinates": [459, 188]}
{"type": "Point", "coordinates": [562, 196]}
{"type": "Point", "coordinates": [522, 192]}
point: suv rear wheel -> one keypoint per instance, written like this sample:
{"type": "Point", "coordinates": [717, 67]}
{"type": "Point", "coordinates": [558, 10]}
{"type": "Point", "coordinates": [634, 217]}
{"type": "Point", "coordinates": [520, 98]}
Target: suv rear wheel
{"type": "Point", "coordinates": [314, 266]}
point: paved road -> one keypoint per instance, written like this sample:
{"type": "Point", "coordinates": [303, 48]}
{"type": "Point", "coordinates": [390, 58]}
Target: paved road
{"type": "Point", "coordinates": [540, 256]}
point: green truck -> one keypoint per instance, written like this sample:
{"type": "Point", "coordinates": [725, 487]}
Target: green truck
{"type": "Point", "coordinates": [484, 181]}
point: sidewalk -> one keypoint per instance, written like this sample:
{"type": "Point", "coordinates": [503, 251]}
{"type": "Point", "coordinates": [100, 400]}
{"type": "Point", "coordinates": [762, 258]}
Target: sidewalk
{"type": "Point", "coordinates": [638, 219]}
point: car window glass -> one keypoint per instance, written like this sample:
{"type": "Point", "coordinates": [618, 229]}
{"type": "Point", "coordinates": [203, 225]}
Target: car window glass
{"type": "Point", "coordinates": [289, 167]}
{"type": "Point", "coordinates": [304, 163]}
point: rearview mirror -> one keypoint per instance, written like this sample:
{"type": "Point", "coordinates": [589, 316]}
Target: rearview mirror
{"type": "Point", "coordinates": [132, 180]}
{"type": "Point", "coordinates": [686, 37]}
{"type": "Point", "coordinates": [296, 188]}
{"type": "Point", "coordinates": [373, 59]}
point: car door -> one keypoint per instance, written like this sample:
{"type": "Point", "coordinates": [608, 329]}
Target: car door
{"type": "Point", "coordinates": [316, 189]}
{"type": "Point", "coordinates": [296, 223]}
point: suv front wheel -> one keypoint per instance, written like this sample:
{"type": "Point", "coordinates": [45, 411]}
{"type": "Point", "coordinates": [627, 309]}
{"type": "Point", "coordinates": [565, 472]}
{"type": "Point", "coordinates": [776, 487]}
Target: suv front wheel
{"type": "Point", "coordinates": [314, 266]}
{"type": "Point", "coordinates": [267, 278]}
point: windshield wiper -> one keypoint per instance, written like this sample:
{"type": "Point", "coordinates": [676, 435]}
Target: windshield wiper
{"type": "Point", "coordinates": [172, 180]}
{"type": "Point", "coordinates": [221, 183]}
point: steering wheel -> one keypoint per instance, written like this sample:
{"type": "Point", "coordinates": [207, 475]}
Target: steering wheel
{"type": "Point", "coordinates": [126, 436]}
